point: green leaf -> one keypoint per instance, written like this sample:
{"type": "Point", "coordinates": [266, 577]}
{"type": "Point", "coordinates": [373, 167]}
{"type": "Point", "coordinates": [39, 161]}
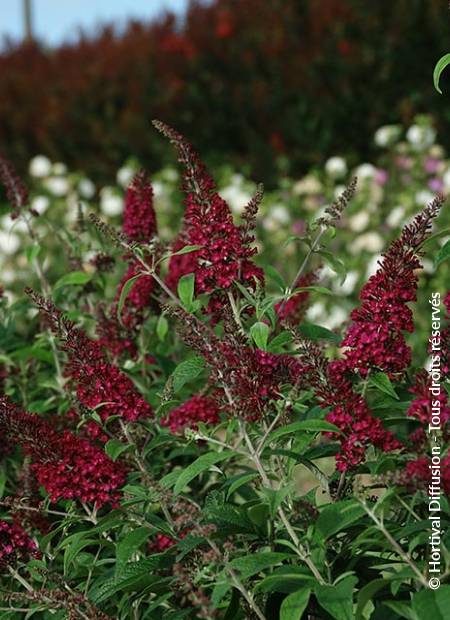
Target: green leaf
{"type": "Point", "coordinates": [433, 604]}
{"type": "Point", "coordinates": [32, 253]}
{"type": "Point", "coordinates": [187, 371]}
{"type": "Point", "coordinates": [314, 289]}
{"type": "Point", "coordinates": [129, 545]}
{"type": "Point", "coordinates": [162, 327]}
{"type": "Point", "coordinates": [244, 479]}
{"type": "Point", "coordinates": [124, 294]}
{"type": "Point", "coordinates": [201, 464]}
{"type": "Point", "coordinates": [286, 579]}
{"type": "Point", "coordinates": [186, 285]}
{"type": "Point", "coordinates": [114, 448]}
{"type": "Point", "coordinates": [317, 332]}
{"type": "Point", "coordinates": [367, 593]}
{"type": "Point", "coordinates": [402, 609]}
{"type": "Point", "coordinates": [256, 563]}
{"type": "Point", "coordinates": [383, 383]}
{"type": "Point", "coordinates": [443, 254]}
{"type": "Point", "coordinates": [275, 276]}
{"type": "Point", "coordinates": [315, 426]}
{"type": "Point", "coordinates": [441, 64]}
{"type": "Point", "coordinates": [260, 334]}
{"type": "Point", "coordinates": [187, 249]}
{"type": "Point", "coordinates": [75, 544]}
{"type": "Point", "coordinates": [338, 516]}
{"type": "Point", "coordinates": [294, 605]}
{"type": "Point", "coordinates": [335, 263]}
{"type": "Point", "coordinates": [337, 599]}
{"type": "Point", "coordinates": [75, 278]}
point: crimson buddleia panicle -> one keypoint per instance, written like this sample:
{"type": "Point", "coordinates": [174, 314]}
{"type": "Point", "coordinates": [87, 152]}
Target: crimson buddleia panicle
{"type": "Point", "coordinates": [139, 218]}
{"type": "Point", "coordinates": [16, 192]}
{"type": "Point", "coordinates": [225, 252]}
{"type": "Point", "coordinates": [99, 384]}
{"type": "Point", "coordinates": [113, 336]}
{"type": "Point", "coordinates": [197, 409]}
{"type": "Point", "coordinates": [374, 340]}
{"type": "Point", "coordinates": [139, 226]}
{"type": "Point", "coordinates": [249, 378]}
{"type": "Point", "coordinates": [139, 297]}
{"type": "Point", "coordinates": [15, 545]}
{"type": "Point", "coordinates": [347, 409]}
{"type": "Point", "coordinates": [67, 466]}
{"type": "Point", "coordinates": [418, 474]}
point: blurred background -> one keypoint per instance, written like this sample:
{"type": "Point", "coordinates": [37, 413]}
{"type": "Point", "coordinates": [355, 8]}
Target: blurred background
{"type": "Point", "coordinates": [272, 87]}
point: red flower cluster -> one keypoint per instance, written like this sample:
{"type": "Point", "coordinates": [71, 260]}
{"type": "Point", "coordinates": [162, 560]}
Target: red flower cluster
{"type": "Point", "coordinates": [418, 473]}
{"type": "Point", "coordinates": [15, 545]}
{"type": "Point", "coordinates": [97, 381]}
{"type": "Point", "coordinates": [351, 414]}
{"type": "Point", "coordinates": [139, 297]}
{"type": "Point", "coordinates": [139, 218]}
{"type": "Point", "coordinates": [160, 543]}
{"type": "Point", "coordinates": [374, 341]}
{"type": "Point", "coordinates": [208, 222]}
{"type": "Point", "coordinates": [16, 192]}
{"type": "Point", "coordinates": [139, 226]}
{"type": "Point", "coordinates": [101, 383]}
{"type": "Point", "coordinates": [67, 466]}
{"type": "Point", "coordinates": [196, 409]}
{"type": "Point", "coordinates": [82, 472]}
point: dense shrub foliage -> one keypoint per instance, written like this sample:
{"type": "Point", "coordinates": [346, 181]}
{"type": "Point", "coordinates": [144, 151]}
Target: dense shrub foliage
{"type": "Point", "coordinates": [178, 441]}
{"type": "Point", "coordinates": [274, 78]}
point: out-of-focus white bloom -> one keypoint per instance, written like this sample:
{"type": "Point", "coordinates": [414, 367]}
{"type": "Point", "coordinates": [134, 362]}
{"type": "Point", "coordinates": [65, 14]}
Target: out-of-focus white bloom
{"type": "Point", "coordinates": [158, 189]}
{"type": "Point", "coordinates": [386, 135]}
{"type": "Point", "coordinates": [169, 174]}
{"type": "Point", "coordinates": [280, 214]}
{"type": "Point", "coordinates": [40, 204]}
{"type": "Point", "coordinates": [40, 166]}
{"type": "Point", "coordinates": [270, 224]}
{"type": "Point", "coordinates": [336, 167]}
{"type": "Point", "coordinates": [396, 216]}
{"type": "Point", "coordinates": [110, 203]}
{"type": "Point", "coordinates": [338, 191]}
{"type": "Point", "coordinates": [334, 318]}
{"type": "Point", "coordinates": [315, 311]}
{"type": "Point", "coordinates": [86, 188]}
{"type": "Point", "coordinates": [437, 151]}
{"type": "Point", "coordinates": [8, 277]}
{"type": "Point", "coordinates": [59, 169]}
{"type": "Point", "coordinates": [58, 186]}
{"type": "Point", "coordinates": [125, 175]}
{"type": "Point", "coordinates": [423, 197]}
{"type": "Point", "coordinates": [308, 185]}
{"type": "Point", "coordinates": [236, 197]}
{"type": "Point", "coordinates": [420, 137]}
{"type": "Point", "coordinates": [373, 265]}
{"type": "Point", "coordinates": [348, 286]}
{"type": "Point", "coordinates": [9, 225]}
{"type": "Point", "coordinates": [9, 243]}
{"type": "Point", "coordinates": [359, 221]}
{"type": "Point", "coordinates": [237, 179]}
{"type": "Point", "coordinates": [428, 265]}
{"type": "Point", "coordinates": [446, 179]}
{"type": "Point", "coordinates": [365, 172]}
{"type": "Point", "coordinates": [369, 241]}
